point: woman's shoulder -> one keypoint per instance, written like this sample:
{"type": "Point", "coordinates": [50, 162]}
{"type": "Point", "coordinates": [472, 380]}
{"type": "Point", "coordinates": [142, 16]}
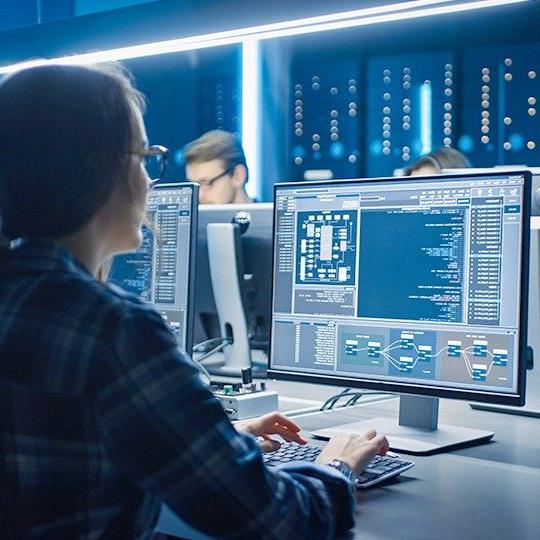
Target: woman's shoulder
{"type": "Point", "coordinates": [95, 301]}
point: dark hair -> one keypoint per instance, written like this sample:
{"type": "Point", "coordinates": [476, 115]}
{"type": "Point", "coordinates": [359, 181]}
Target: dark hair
{"type": "Point", "coordinates": [64, 136]}
{"type": "Point", "coordinates": [443, 158]}
{"type": "Point", "coordinates": [217, 144]}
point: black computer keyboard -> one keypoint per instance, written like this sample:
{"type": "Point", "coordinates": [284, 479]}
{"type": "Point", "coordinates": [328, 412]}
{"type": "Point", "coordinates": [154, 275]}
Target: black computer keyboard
{"type": "Point", "coordinates": [379, 468]}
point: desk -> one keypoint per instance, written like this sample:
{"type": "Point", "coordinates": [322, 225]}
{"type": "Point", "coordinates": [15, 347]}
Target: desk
{"type": "Point", "coordinates": [490, 491]}
{"type": "Point", "coordinates": [451, 497]}
{"type": "Point", "coordinates": [487, 491]}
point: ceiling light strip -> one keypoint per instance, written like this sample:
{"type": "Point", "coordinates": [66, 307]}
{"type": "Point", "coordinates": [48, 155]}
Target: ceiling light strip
{"type": "Point", "coordinates": [348, 19]}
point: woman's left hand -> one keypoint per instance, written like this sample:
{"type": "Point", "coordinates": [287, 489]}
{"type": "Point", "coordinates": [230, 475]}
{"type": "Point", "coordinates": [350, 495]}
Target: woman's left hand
{"type": "Point", "coordinates": [271, 424]}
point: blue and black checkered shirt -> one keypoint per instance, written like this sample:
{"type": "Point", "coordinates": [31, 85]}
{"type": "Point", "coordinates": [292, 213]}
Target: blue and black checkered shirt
{"type": "Point", "coordinates": [102, 419]}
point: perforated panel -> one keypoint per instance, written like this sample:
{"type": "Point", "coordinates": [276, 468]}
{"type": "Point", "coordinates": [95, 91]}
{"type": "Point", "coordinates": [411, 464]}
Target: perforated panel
{"type": "Point", "coordinates": [325, 120]}
{"type": "Point", "coordinates": [499, 105]}
{"type": "Point", "coordinates": [410, 109]}
{"type": "Point", "coordinates": [219, 102]}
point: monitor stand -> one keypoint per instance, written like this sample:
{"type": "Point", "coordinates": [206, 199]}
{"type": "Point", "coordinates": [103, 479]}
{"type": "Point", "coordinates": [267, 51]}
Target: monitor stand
{"type": "Point", "coordinates": [227, 273]}
{"type": "Point", "coordinates": [418, 431]}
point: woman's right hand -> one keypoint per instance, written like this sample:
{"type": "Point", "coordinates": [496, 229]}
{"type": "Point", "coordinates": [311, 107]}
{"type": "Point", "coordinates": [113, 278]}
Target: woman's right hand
{"type": "Point", "coordinates": [355, 450]}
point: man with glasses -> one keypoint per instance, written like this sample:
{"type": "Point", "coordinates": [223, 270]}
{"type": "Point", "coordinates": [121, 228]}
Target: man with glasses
{"type": "Point", "coordinates": [217, 162]}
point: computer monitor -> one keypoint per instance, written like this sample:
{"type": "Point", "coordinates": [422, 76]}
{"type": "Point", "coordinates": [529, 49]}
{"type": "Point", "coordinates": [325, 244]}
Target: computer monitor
{"type": "Point", "coordinates": [255, 226]}
{"type": "Point", "coordinates": [415, 285]}
{"type": "Point", "coordinates": [535, 182]}
{"type": "Point", "coordinates": [532, 405]}
{"type": "Point", "coordinates": [162, 269]}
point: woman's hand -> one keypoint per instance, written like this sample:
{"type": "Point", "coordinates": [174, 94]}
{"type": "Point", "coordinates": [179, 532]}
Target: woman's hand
{"type": "Point", "coordinates": [271, 424]}
{"type": "Point", "coordinates": [355, 450]}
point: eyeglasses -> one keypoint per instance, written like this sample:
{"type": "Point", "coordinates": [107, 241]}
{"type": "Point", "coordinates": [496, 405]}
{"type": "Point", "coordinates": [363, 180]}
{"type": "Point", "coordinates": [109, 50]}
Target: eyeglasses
{"type": "Point", "coordinates": [208, 183]}
{"type": "Point", "coordinates": [155, 161]}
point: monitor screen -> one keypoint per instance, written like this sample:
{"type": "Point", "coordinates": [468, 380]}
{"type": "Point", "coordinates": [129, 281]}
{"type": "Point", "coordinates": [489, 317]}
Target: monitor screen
{"type": "Point", "coordinates": [161, 270]}
{"type": "Point", "coordinates": [412, 284]}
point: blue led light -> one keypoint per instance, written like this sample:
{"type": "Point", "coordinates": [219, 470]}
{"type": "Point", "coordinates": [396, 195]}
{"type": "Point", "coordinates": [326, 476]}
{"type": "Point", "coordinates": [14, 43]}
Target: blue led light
{"type": "Point", "coordinates": [179, 157]}
{"type": "Point", "coordinates": [466, 144]}
{"type": "Point", "coordinates": [298, 151]}
{"type": "Point", "coordinates": [517, 141]}
{"type": "Point", "coordinates": [375, 148]}
{"type": "Point", "coordinates": [425, 117]}
{"type": "Point", "coordinates": [251, 90]}
{"type": "Point", "coordinates": [337, 150]}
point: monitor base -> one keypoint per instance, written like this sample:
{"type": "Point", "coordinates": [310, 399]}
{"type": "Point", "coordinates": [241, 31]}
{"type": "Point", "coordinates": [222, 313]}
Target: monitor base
{"type": "Point", "coordinates": [412, 440]}
{"type": "Point", "coordinates": [506, 409]}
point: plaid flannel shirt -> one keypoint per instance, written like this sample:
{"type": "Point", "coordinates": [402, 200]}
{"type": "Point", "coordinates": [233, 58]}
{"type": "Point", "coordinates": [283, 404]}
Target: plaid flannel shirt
{"type": "Point", "coordinates": [103, 419]}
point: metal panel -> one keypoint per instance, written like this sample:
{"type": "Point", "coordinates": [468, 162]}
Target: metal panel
{"type": "Point", "coordinates": [325, 120]}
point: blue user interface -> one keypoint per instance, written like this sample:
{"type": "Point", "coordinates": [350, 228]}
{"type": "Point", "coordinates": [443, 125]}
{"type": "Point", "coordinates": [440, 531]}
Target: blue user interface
{"type": "Point", "coordinates": [412, 281]}
{"type": "Point", "coordinates": [159, 270]}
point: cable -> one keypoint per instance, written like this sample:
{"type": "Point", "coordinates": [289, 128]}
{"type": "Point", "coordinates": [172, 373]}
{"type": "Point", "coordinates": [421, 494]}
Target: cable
{"type": "Point", "coordinates": [203, 371]}
{"type": "Point", "coordinates": [353, 400]}
{"type": "Point", "coordinates": [219, 348]}
{"type": "Point", "coordinates": [200, 347]}
{"type": "Point", "coordinates": [330, 403]}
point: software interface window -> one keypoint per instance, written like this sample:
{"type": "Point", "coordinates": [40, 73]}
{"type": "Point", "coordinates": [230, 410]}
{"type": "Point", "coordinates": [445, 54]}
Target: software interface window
{"type": "Point", "coordinates": [400, 281]}
{"type": "Point", "coordinates": [158, 271]}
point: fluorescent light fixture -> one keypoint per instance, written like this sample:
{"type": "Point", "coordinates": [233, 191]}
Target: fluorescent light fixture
{"type": "Point", "coordinates": [250, 38]}
{"type": "Point", "coordinates": [425, 117]}
{"type": "Point", "coordinates": [348, 19]}
{"type": "Point", "coordinates": [387, 17]}
{"type": "Point", "coordinates": [251, 91]}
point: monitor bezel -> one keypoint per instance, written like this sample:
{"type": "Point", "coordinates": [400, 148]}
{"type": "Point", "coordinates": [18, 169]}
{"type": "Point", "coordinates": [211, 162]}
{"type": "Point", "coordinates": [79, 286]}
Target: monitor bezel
{"type": "Point", "coordinates": [194, 215]}
{"type": "Point", "coordinates": [517, 399]}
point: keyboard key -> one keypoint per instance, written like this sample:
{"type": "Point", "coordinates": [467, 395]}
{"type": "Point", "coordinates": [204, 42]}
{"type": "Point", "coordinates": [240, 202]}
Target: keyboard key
{"type": "Point", "coordinates": [379, 468]}
{"type": "Point", "coordinates": [375, 470]}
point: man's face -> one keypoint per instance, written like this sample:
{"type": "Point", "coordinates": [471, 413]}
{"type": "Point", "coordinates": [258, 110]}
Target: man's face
{"type": "Point", "coordinates": [217, 184]}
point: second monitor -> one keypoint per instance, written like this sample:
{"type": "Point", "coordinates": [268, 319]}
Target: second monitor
{"type": "Point", "coordinates": [161, 270]}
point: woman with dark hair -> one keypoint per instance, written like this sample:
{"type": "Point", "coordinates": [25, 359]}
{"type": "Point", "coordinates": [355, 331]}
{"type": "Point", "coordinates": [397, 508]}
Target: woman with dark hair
{"type": "Point", "coordinates": [102, 418]}
{"type": "Point", "coordinates": [435, 162]}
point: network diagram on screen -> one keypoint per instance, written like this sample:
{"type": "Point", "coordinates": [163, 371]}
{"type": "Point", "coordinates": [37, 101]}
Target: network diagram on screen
{"type": "Point", "coordinates": [400, 281]}
{"type": "Point", "coordinates": [326, 252]}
